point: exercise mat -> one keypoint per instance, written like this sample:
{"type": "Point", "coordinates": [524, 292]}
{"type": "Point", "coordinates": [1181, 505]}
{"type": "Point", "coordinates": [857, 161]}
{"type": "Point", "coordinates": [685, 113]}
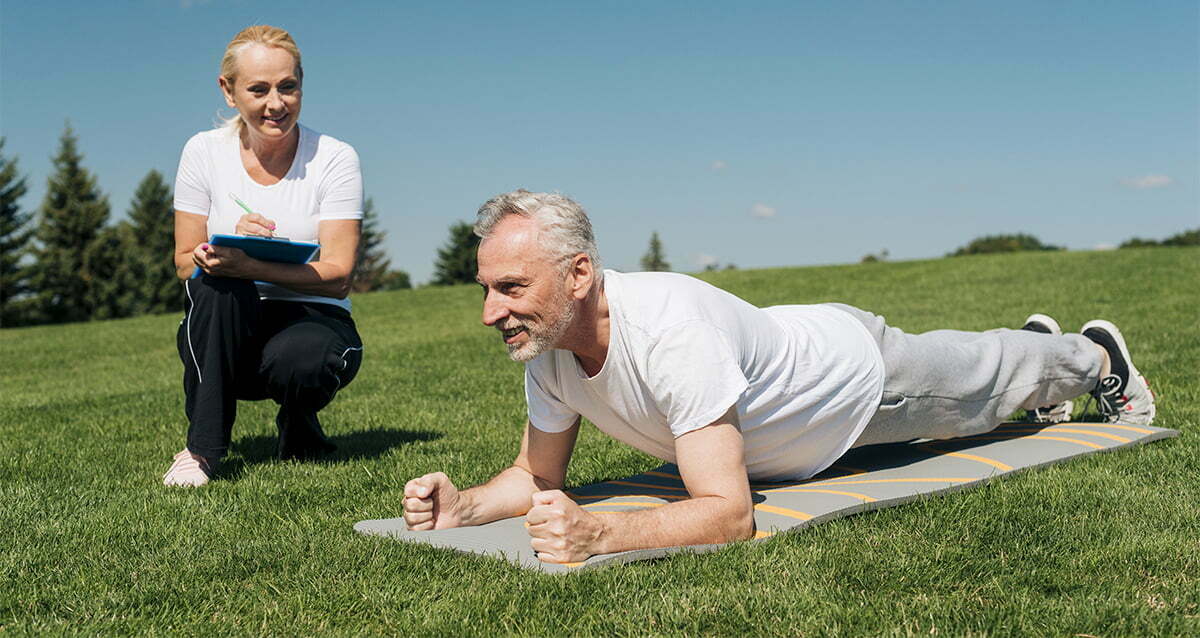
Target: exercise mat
{"type": "Point", "coordinates": [865, 478]}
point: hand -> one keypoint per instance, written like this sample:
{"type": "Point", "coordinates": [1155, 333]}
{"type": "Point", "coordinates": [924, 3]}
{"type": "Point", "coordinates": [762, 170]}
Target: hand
{"type": "Point", "coordinates": [255, 225]}
{"type": "Point", "coordinates": [560, 530]}
{"type": "Point", "coordinates": [221, 261]}
{"type": "Point", "coordinates": [432, 502]}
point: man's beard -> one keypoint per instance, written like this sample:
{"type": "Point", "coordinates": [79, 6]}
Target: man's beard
{"type": "Point", "coordinates": [544, 338]}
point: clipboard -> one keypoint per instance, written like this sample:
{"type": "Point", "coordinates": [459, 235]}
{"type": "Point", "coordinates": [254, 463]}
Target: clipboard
{"type": "Point", "coordinates": [266, 249]}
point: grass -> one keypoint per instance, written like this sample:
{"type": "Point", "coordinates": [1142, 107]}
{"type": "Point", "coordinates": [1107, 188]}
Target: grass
{"type": "Point", "coordinates": [92, 544]}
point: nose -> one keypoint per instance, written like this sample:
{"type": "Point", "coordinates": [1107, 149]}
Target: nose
{"type": "Point", "coordinates": [494, 309]}
{"type": "Point", "coordinates": [274, 100]}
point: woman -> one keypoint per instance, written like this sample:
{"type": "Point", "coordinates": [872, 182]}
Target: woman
{"type": "Point", "coordinates": [254, 329]}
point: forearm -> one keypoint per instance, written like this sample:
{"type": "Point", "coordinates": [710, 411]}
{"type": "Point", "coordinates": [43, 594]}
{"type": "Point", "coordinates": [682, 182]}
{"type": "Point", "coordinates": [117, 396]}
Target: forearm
{"type": "Point", "coordinates": [315, 278]}
{"type": "Point", "coordinates": [697, 521]}
{"type": "Point", "coordinates": [505, 496]}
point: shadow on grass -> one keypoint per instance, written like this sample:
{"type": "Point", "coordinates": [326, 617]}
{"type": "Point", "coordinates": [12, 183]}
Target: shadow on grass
{"type": "Point", "coordinates": [362, 444]}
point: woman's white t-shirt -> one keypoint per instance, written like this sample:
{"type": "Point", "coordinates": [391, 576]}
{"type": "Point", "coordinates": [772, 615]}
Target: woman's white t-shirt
{"type": "Point", "coordinates": [805, 379]}
{"type": "Point", "coordinates": [323, 183]}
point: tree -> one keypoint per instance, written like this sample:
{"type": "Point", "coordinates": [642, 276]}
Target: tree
{"type": "Point", "coordinates": [395, 280]}
{"type": "Point", "coordinates": [1137, 242]}
{"type": "Point", "coordinates": [71, 217]}
{"type": "Point", "coordinates": [653, 260]}
{"type": "Point", "coordinates": [1003, 244]}
{"type": "Point", "coordinates": [112, 263]}
{"type": "Point", "coordinates": [371, 264]}
{"type": "Point", "coordinates": [456, 262]}
{"type": "Point", "coordinates": [150, 249]}
{"type": "Point", "coordinates": [1186, 238]}
{"type": "Point", "coordinates": [14, 242]}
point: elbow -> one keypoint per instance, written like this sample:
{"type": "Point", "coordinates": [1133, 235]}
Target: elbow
{"type": "Point", "coordinates": [340, 288]}
{"type": "Point", "coordinates": [741, 525]}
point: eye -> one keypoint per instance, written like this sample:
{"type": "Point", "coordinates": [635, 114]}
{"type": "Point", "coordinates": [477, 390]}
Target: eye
{"type": "Point", "coordinates": [287, 87]}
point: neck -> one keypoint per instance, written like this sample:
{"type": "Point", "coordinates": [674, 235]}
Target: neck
{"type": "Point", "coordinates": [271, 148]}
{"type": "Point", "coordinates": [590, 333]}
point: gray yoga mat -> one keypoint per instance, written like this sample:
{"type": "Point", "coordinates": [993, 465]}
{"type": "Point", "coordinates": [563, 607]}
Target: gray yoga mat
{"type": "Point", "coordinates": [863, 479]}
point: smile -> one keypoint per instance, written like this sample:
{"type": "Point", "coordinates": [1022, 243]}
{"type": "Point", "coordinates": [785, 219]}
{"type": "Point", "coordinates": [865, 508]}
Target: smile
{"type": "Point", "coordinates": [511, 333]}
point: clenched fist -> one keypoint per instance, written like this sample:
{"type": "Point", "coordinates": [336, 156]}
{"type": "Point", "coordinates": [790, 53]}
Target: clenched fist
{"type": "Point", "coordinates": [432, 502]}
{"type": "Point", "coordinates": [560, 530]}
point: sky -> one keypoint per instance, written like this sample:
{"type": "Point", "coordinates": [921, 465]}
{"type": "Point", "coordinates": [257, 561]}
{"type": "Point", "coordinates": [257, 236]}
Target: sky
{"type": "Point", "coordinates": [751, 133]}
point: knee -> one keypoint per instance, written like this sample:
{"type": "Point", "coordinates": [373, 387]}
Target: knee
{"type": "Point", "coordinates": [207, 291]}
{"type": "Point", "coordinates": [301, 361]}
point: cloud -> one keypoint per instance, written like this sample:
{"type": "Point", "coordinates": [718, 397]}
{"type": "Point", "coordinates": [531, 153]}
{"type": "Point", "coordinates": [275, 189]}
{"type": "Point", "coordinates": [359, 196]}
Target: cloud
{"type": "Point", "coordinates": [762, 211]}
{"type": "Point", "coordinates": [702, 260]}
{"type": "Point", "coordinates": [718, 165]}
{"type": "Point", "coordinates": [1147, 181]}
{"type": "Point", "coordinates": [1104, 247]}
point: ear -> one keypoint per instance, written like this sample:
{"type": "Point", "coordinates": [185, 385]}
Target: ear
{"type": "Point", "coordinates": [582, 275]}
{"type": "Point", "coordinates": [226, 90]}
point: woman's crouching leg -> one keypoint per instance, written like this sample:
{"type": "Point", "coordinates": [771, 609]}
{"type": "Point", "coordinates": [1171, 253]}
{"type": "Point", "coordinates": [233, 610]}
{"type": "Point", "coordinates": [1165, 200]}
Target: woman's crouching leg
{"type": "Point", "coordinates": [304, 366]}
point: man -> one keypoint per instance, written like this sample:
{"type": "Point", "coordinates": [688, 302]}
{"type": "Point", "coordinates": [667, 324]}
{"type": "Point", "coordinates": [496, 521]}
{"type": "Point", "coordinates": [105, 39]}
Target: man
{"type": "Point", "coordinates": [729, 392]}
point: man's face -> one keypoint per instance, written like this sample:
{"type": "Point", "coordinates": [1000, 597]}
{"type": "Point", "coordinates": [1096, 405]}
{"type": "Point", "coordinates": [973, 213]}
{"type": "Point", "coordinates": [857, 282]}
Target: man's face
{"type": "Point", "coordinates": [526, 295]}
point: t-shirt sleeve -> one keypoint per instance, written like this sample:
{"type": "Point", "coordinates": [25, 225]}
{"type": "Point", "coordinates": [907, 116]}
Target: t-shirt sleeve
{"type": "Point", "coordinates": [193, 192]}
{"type": "Point", "coordinates": [693, 376]}
{"type": "Point", "coordinates": [341, 190]}
{"type": "Point", "coordinates": [546, 412]}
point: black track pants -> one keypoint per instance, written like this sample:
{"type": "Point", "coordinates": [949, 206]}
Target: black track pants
{"type": "Point", "coordinates": [234, 346]}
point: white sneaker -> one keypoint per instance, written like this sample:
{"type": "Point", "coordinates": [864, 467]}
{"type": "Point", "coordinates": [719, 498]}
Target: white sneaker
{"type": "Point", "coordinates": [188, 470]}
{"type": "Point", "coordinates": [1123, 395]}
{"type": "Point", "coordinates": [1061, 412]}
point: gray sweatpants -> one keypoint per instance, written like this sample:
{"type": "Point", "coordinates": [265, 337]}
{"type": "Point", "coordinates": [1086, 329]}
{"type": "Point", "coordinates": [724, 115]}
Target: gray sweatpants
{"type": "Point", "coordinates": [950, 383]}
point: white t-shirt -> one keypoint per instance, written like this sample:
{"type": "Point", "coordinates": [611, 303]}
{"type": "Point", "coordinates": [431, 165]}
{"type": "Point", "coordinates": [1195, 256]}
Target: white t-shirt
{"type": "Point", "coordinates": [806, 379]}
{"type": "Point", "coordinates": [324, 182]}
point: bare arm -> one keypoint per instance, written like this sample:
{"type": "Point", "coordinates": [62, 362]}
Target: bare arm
{"type": "Point", "coordinates": [432, 501]}
{"type": "Point", "coordinates": [329, 276]}
{"type": "Point", "coordinates": [720, 509]}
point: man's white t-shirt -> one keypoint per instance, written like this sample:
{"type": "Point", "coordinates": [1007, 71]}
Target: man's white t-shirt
{"type": "Point", "coordinates": [323, 183]}
{"type": "Point", "coordinates": [805, 379]}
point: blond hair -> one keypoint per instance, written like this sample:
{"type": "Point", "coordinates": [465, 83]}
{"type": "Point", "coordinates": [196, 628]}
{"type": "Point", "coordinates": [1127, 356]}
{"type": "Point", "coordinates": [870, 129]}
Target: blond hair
{"type": "Point", "coordinates": [265, 35]}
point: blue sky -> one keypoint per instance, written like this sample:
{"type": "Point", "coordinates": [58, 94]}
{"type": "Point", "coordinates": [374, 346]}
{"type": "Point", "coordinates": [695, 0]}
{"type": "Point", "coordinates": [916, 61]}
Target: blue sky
{"type": "Point", "coordinates": [755, 133]}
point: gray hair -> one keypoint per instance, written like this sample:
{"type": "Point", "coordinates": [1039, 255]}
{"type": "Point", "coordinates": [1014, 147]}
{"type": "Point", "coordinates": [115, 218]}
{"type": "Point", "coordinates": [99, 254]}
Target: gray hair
{"type": "Point", "coordinates": [563, 225]}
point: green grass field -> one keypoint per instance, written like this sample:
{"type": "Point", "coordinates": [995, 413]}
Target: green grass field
{"type": "Point", "coordinates": [92, 543]}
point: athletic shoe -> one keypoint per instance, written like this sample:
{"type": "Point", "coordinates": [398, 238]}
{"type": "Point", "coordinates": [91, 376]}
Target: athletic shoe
{"type": "Point", "coordinates": [1123, 395]}
{"type": "Point", "coordinates": [1059, 413]}
{"type": "Point", "coordinates": [300, 436]}
{"type": "Point", "coordinates": [188, 470]}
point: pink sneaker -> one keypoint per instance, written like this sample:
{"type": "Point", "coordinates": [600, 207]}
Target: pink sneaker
{"type": "Point", "coordinates": [188, 470]}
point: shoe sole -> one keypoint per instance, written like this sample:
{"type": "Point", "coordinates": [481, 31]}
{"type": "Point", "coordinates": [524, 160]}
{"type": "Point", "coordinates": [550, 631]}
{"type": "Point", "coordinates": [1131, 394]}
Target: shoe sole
{"type": "Point", "coordinates": [1045, 320]}
{"type": "Point", "coordinates": [1110, 328]}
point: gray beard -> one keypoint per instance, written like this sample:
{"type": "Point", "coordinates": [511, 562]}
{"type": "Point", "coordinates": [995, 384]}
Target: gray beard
{"type": "Point", "coordinates": [543, 340]}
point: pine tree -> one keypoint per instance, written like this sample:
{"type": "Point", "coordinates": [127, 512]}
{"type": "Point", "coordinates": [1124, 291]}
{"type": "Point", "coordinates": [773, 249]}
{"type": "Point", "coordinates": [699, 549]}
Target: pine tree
{"type": "Point", "coordinates": [654, 260]}
{"type": "Point", "coordinates": [72, 216]}
{"type": "Point", "coordinates": [113, 265]}
{"type": "Point", "coordinates": [456, 262]}
{"type": "Point", "coordinates": [14, 241]}
{"type": "Point", "coordinates": [151, 260]}
{"type": "Point", "coordinates": [372, 264]}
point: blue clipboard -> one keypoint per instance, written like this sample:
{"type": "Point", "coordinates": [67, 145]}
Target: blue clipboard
{"type": "Point", "coordinates": [266, 249]}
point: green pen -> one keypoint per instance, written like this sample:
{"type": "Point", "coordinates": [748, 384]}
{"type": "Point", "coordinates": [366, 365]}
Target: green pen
{"type": "Point", "coordinates": [246, 208]}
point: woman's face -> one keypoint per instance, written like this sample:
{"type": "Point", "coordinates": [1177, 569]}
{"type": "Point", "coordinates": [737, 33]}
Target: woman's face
{"type": "Point", "coordinates": [266, 92]}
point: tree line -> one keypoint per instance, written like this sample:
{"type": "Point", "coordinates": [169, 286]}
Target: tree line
{"type": "Point", "coordinates": [67, 263]}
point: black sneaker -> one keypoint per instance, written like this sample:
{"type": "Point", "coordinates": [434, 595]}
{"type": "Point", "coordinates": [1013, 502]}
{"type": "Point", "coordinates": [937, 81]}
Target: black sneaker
{"type": "Point", "coordinates": [1061, 412]}
{"type": "Point", "coordinates": [300, 436]}
{"type": "Point", "coordinates": [1123, 395]}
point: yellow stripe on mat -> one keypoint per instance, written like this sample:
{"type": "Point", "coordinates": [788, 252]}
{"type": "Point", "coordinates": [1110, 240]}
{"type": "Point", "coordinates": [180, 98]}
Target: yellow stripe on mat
{"type": "Point", "coordinates": [970, 457]}
{"type": "Point", "coordinates": [1001, 437]}
{"type": "Point", "coordinates": [662, 474]}
{"type": "Point", "coordinates": [864, 497]}
{"type": "Point", "coordinates": [1104, 435]}
{"type": "Point", "coordinates": [783, 511]}
{"type": "Point", "coordinates": [903, 480]}
{"type": "Point", "coordinates": [761, 534]}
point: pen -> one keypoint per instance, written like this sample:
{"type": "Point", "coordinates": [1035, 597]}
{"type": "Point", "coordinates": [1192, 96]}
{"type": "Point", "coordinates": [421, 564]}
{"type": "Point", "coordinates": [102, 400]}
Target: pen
{"type": "Point", "coordinates": [242, 204]}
